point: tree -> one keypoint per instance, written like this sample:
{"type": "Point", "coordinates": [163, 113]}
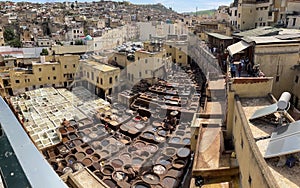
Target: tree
{"type": "Point", "coordinates": [9, 34]}
{"type": "Point", "coordinates": [44, 51]}
{"type": "Point", "coordinates": [78, 42]}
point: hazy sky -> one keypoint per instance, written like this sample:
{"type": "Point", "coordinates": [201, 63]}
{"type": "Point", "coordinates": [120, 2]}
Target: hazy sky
{"type": "Point", "coordinates": [177, 5]}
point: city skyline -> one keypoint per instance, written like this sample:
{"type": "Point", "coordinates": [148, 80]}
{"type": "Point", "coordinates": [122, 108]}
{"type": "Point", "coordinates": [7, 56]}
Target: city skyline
{"type": "Point", "coordinates": [178, 6]}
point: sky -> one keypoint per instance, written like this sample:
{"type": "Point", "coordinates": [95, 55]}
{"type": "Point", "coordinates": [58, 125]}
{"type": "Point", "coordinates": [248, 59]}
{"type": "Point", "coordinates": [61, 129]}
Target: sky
{"type": "Point", "coordinates": [177, 5]}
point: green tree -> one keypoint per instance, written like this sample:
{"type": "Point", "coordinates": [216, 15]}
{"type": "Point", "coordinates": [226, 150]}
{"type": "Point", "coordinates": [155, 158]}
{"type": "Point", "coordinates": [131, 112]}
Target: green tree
{"type": "Point", "coordinates": [44, 52]}
{"type": "Point", "coordinates": [78, 42]}
{"type": "Point", "coordinates": [9, 34]}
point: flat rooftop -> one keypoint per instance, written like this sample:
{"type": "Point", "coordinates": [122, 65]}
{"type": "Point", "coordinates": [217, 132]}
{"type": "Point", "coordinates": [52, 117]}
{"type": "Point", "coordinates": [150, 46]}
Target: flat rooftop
{"type": "Point", "coordinates": [285, 176]}
{"type": "Point", "coordinates": [100, 66]}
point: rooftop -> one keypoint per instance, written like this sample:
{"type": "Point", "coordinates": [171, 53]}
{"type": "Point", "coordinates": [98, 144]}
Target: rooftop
{"type": "Point", "coordinates": [99, 66]}
{"type": "Point", "coordinates": [261, 130]}
{"type": "Point", "coordinates": [219, 36]}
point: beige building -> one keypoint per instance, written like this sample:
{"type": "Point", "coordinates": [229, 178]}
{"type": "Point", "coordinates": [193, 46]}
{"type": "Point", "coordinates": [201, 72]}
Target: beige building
{"type": "Point", "coordinates": [50, 71]}
{"type": "Point", "coordinates": [251, 138]}
{"type": "Point", "coordinates": [97, 77]}
{"type": "Point", "coordinates": [276, 58]}
{"type": "Point", "coordinates": [2, 42]}
{"type": "Point", "coordinates": [252, 13]}
{"type": "Point", "coordinates": [177, 51]}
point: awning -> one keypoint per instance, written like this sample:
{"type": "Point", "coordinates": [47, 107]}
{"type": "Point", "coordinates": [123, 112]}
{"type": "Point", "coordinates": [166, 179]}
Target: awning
{"type": "Point", "coordinates": [237, 47]}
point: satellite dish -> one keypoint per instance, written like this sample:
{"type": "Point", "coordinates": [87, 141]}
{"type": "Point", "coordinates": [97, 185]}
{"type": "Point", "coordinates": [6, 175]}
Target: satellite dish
{"type": "Point", "coordinates": [283, 102]}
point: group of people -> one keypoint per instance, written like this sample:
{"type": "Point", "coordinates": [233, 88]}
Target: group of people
{"type": "Point", "coordinates": [245, 65]}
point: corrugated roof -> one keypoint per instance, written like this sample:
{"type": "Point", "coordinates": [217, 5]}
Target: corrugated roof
{"type": "Point", "coordinates": [266, 40]}
{"type": "Point", "coordinates": [220, 36]}
{"type": "Point", "coordinates": [260, 31]}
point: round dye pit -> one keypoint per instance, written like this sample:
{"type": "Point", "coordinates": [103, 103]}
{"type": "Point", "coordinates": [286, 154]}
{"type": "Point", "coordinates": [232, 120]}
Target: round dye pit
{"type": "Point", "coordinates": [62, 130]}
{"type": "Point", "coordinates": [89, 151]}
{"type": "Point", "coordinates": [72, 136]}
{"type": "Point", "coordinates": [169, 151]}
{"type": "Point", "coordinates": [162, 133]}
{"type": "Point", "coordinates": [112, 148]}
{"type": "Point", "coordinates": [186, 141]}
{"type": "Point", "coordinates": [169, 182]}
{"type": "Point", "coordinates": [179, 133]}
{"type": "Point", "coordinates": [175, 140]}
{"type": "Point", "coordinates": [148, 135]}
{"type": "Point", "coordinates": [87, 131]}
{"type": "Point", "coordinates": [80, 134]}
{"type": "Point", "coordinates": [136, 161]}
{"type": "Point", "coordinates": [71, 129]}
{"type": "Point", "coordinates": [151, 148]}
{"type": "Point", "coordinates": [159, 139]}
{"type": "Point", "coordinates": [96, 144]}
{"type": "Point", "coordinates": [178, 164]}
{"type": "Point", "coordinates": [95, 157]}
{"type": "Point", "coordinates": [159, 169]}
{"type": "Point", "coordinates": [71, 159]}
{"type": "Point", "coordinates": [125, 157]}
{"type": "Point", "coordinates": [139, 145]}
{"type": "Point", "coordinates": [119, 176]}
{"type": "Point", "coordinates": [116, 163]}
{"type": "Point", "coordinates": [150, 178]}
{"type": "Point", "coordinates": [183, 152]}
{"type": "Point", "coordinates": [80, 155]}
{"type": "Point", "coordinates": [141, 185]}
{"type": "Point", "coordinates": [87, 162]}
{"type": "Point", "coordinates": [104, 143]}
{"type": "Point", "coordinates": [93, 135]}
{"type": "Point", "coordinates": [107, 170]}
{"type": "Point", "coordinates": [77, 142]}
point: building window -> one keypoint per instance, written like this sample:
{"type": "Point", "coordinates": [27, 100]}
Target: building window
{"type": "Point", "coordinates": [66, 66]}
{"type": "Point", "coordinates": [33, 86]}
{"type": "Point", "coordinates": [53, 68]}
{"type": "Point", "coordinates": [97, 80]}
{"type": "Point", "coordinates": [296, 79]}
{"type": "Point", "coordinates": [180, 57]}
{"type": "Point", "coordinates": [146, 60]}
{"type": "Point", "coordinates": [17, 81]}
{"type": "Point", "coordinates": [146, 72]}
{"type": "Point", "coordinates": [235, 13]}
{"type": "Point", "coordinates": [92, 76]}
{"type": "Point", "coordinates": [54, 77]}
{"type": "Point", "coordinates": [170, 46]}
{"type": "Point", "coordinates": [294, 21]}
{"type": "Point", "coordinates": [239, 15]}
{"type": "Point", "coordinates": [250, 180]}
{"type": "Point", "coordinates": [40, 79]}
{"type": "Point", "coordinates": [40, 69]}
{"type": "Point", "coordinates": [48, 78]}
{"type": "Point", "coordinates": [101, 81]}
{"type": "Point", "coordinates": [110, 80]}
{"type": "Point", "coordinates": [116, 78]}
{"type": "Point", "coordinates": [270, 14]}
{"type": "Point", "coordinates": [277, 78]}
{"type": "Point", "coordinates": [74, 66]}
{"type": "Point", "coordinates": [88, 75]}
{"type": "Point", "coordinates": [140, 74]}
